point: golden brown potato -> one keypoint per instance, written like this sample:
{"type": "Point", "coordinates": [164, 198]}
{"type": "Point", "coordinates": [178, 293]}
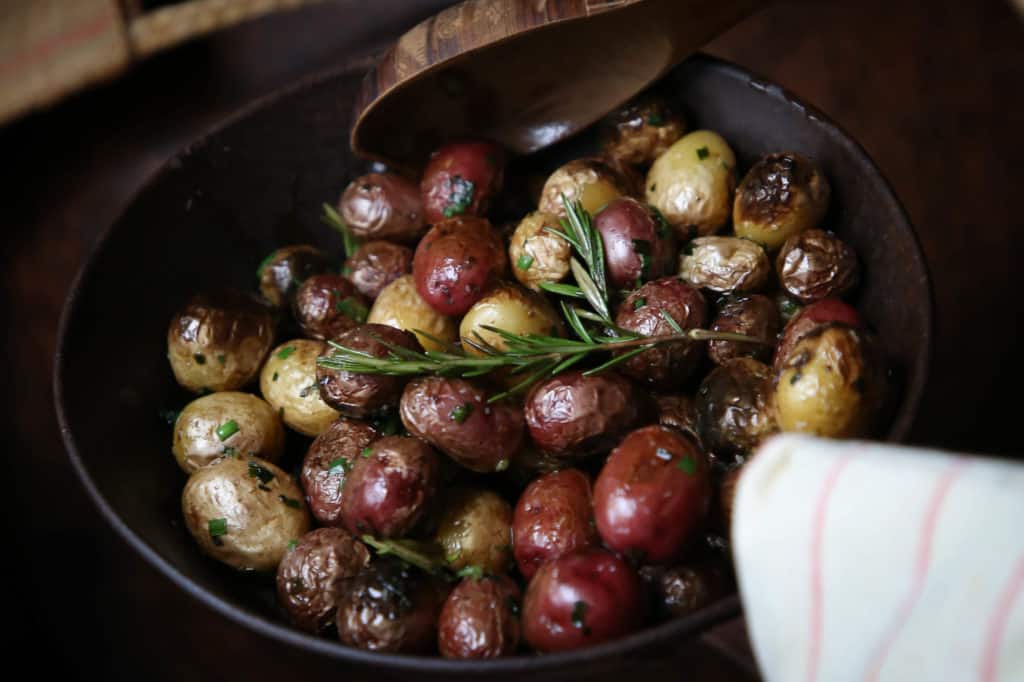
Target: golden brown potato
{"type": "Point", "coordinates": [814, 265]}
{"type": "Point", "coordinates": [725, 265]}
{"type": "Point", "coordinates": [400, 306]}
{"type": "Point", "coordinates": [282, 272]}
{"type": "Point", "coordinates": [782, 195]}
{"type": "Point", "coordinates": [641, 130]}
{"type": "Point", "coordinates": [244, 512]}
{"type": "Point", "coordinates": [288, 382]}
{"type": "Point", "coordinates": [512, 308]}
{"type": "Point", "coordinates": [476, 530]}
{"type": "Point", "coordinates": [692, 184]}
{"type": "Point", "coordinates": [226, 424]}
{"type": "Point", "coordinates": [592, 182]}
{"type": "Point", "coordinates": [218, 341]}
{"type": "Point", "coordinates": [733, 408]}
{"type": "Point", "coordinates": [537, 255]}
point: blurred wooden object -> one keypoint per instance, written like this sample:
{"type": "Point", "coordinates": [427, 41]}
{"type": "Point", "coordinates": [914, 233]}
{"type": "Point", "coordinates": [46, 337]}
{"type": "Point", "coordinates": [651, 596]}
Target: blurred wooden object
{"type": "Point", "coordinates": [526, 73]}
{"type": "Point", "coordinates": [50, 48]}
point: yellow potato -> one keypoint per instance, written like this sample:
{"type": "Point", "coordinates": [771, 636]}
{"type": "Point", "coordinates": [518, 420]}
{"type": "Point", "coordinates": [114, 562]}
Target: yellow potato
{"type": "Point", "coordinates": [399, 305]}
{"type": "Point", "coordinates": [226, 424]}
{"type": "Point", "coordinates": [589, 181]}
{"type": "Point", "coordinates": [537, 255]}
{"type": "Point", "coordinates": [288, 382]}
{"type": "Point", "coordinates": [476, 530]}
{"type": "Point", "coordinates": [782, 195]}
{"type": "Point", "coordinates": [513, 309]}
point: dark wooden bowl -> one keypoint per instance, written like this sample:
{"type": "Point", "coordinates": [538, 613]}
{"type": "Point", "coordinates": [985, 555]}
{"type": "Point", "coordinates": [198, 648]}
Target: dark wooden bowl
{"type": "Point", "coordinates": [211, 214]}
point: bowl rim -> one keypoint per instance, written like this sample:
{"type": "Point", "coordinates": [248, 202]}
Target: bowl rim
{"type": "Point", "coordinates": [649, 637]}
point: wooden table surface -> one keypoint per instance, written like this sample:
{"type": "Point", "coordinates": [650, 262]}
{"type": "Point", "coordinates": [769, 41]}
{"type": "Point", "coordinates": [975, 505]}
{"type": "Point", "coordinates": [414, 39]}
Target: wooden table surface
{"type": "Point", "coordinates": [932, 90]}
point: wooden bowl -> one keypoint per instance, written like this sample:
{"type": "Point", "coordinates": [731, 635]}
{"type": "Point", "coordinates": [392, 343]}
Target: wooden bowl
{"type": "Point", "coordinates": [217, 208]}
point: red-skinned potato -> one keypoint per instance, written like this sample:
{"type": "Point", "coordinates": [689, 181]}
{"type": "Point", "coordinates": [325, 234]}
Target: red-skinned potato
{"type": "Point", "coordinates": [326, 464]}
{"type": "Point", "coordinates": [554, 516]}
{"type": "Point", "coordinates": [663, 367]}
{"type": "Point", "coordinates": [383, 206]}
{"type": "Point", "coordinates": [377, 264]}
{"type": "Point", "coordinates": [480, 619]}
{"type": "Point", "coordinates": [809, 319]}
{"type": "Point", "coordinates": [456, 261]}
{"type": "Point", "coordinates": [462, 178]}
{"type": "Point", "coordinates": [638, 243]}
{"type": "Point", "coordinates": [326, 306]}
{"type": "Point", "coordinates": [389, 487]}
{"type": "Point", "coordinates": [453, 415]}
{"type": "Point", "coordinates": [581, 599]}
{"type": "Point", "coordinates": [652, 493]}
{"type": "Point", "coordinates": [755, 316]}
{"type": "Point", "coordinates": [815, 264]}
{"type": "Point", "coordinates": [572, 416]}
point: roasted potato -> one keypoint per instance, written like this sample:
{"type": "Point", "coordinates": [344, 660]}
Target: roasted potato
{"type": "Point", "coordinates": [475, 529]}
{"type": "Point", "coordinates": [462, 178]}
{"type": "Point", "coordinates": [638, 244]}
{"type": "Point", "coordinates": [810, 318]}
{"type": "Point", "coordinates": [782, 195]}
{"type": "Point", "coordinates": [733, 408]}
{"type": "Point", "coordinates": [327, 463]}
{"type": "Point", "coordinates": [383, 206]}
{"type": "Point", "coordinates": [815, 264]}
{"type": "Point", "coordinates": [455, 263]}
{"type": "Point", "coordinates": [592, 182]}
{"type": "Point", "coordinates": [375, 265]}
{"type": "Point", "coordinates": [692, 184]}
{"type": "Point", "coordinates": [685, 588]}
{"type": "Point", "coordinates": [244, 512]}
{"type": "Point", "coordinates": [400, 306]}
{"type": "Point", "coordinates": [725, 265]}
{"type": "Point", "coordinates": [326, 306]}
{"type": "Point", "coordinates": [536, 255]}
{"type": "Point", "coordinates": [553, 516]}
{"type": "Point", "coordinates": [226, 424]}
{"type": "Point", "coordinates": [480, 619]}
{"type": "Point", "coordinates": [756, 316]}
{"type": "Point", "coordinates": [281, 273]}
{"type": "Point", "coordinates": [641, 130]}
{"type": "Point", "coordinates": [677, 411]}
{"type": "Point", "coordinates": [217, 342]}
{"type": "Point", "coordinates": [511, 308]}
{"type": "Point", "coordinates": [289, 383]}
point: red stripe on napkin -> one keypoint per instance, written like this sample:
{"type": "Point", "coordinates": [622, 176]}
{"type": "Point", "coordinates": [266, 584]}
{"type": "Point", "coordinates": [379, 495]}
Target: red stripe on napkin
{"type": "Point", "coordinates": [997, 624]}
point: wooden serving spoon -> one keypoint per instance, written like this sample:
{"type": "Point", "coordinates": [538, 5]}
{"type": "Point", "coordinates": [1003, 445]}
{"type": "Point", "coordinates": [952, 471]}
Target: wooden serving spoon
{"type": "Point", "coordinates": [526, 73]}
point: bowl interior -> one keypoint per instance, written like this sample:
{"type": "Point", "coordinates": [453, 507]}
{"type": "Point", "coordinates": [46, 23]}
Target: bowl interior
{"type": "Point", "coordinates": [208, 218]}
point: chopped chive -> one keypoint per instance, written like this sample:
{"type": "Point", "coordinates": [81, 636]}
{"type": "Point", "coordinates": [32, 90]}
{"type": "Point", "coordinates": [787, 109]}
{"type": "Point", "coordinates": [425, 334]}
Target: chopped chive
{"type": "Point", "coordinates": [221, 358]}
{"type": "Point", "coordinates": [350, 307]}
{"type": "Point", "coordinates": [256, 470]}
{"type": "Point", "coordinates": [289, 502]}
{"type": "Point", "coordinates": [524, 261]}
{"type": "Point", "coordinates": [227, 429]}
{"type": "Point", "coordinates": [474, 572]}
{"type": "Point", "coordinates": [229, 451]}
{"type": "Point", "coordinates": [639, 302]}
{"type": "Point", "coordinates": [285, 352]}
{"type": "Point", "coordinates": [461, 413]}
{"type": "Point", "coordinates": [367, 451]}
{"type": "Point", "coordinates": [340, 465]}
{"type": "Point", "coordinates": [688, 465]}
{"type": "Point", "coordinates": [460, 196]}
{"type": "Point", "coordinates": [264, 263]}
{"type": "Point", "coordinates": [274, 378]}
{"type": "Point", "coordinates": [217, 527]}
{"type": "Point", "coordinates": [703, 153]}
{"type": "Point", "coordinates": [199, 358]}
{"type": "Point", "coordinates": [292, 544]}
{"type": "Point", "coordinates": [309, 389]}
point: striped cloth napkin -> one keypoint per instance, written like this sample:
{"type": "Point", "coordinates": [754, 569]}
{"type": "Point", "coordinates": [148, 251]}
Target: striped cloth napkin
{"type": "Point", "coordinates": [875, 563]}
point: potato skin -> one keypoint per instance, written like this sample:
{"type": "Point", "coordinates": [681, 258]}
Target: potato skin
{"type": "Point", "coordinates": [553, 516]}
{"type": "Point", "coordinates": [755, 316]}
{"type": "Point", "coordinates": [638, 243]}
{"type": "Point", "coordinates": [536, 255]}
{"type": "Point", "coordinates": [781, 195]}
{"type": "Point", "coordinates": [456, 261]}
{"type": "Point", "coordinates": [810, 318]}
{"type": "Point", "coordinates": [323, 473]}
{"type": "Point", "coordinates": [677, 411]}
{"type": "Point", "coordinates": [196, 443]}
{"type": "Point", "coordinates": [692, 184]}
{"type": "Point", "coordinates": [462, 178]}
{"type": "Point", "coordinates": [375, 265]}
{"type": "Point", "coordinates": [512, 308]}
{"type": "Point", "coordinates": [389, 489]}
{"type": "Point", "coordinates": [260, 522]}
{"type": "Point", "coordinates": [591, 181]}
{"type": "Point", "coordinates": [288, 382]}
{"type": "Point", "coordinates": [815, 264]}
{"type": "Point", "coordinates": [453, 415]}
{"type": "Point", "coordinates": [686, 588]}
{"type": "Point", "coordinates": [725, 265]}
{"type": "Point", "coordinates": [365, 395]}
{"type": "Point", "coordinates": [217, 342]}
{"type": "Point", "coordinates": [652, 493]}
{"type": "Point", "coordinates": [663, 367]}
{"type": "Point", "coordinates": [399, 305]}
{"type": "Point", "coordinates": [475, 529]}
{"type": "Point", "coordinates": [312, 574]}
{"type": "Point", "coordinates": [733, 408]}
{"type": "Point", "coordinates": [574, 416]}
{"type": "Point", "coordinates": [383, 206]}
{"type": "Point", "coordinates": [390, 607]}
{"type": "Point", "coordinates": [326, 306]}
{"type": "Point", "coordinates": [284, 269]}
{"type": "Point", "coordinates": [480, 619]}
{"type": "Point", "coordinates": [641, 130]}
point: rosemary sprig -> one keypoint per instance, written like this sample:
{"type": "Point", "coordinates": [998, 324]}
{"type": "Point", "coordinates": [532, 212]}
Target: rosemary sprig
{"type": "Point", "coordinates": [350, 242]}
{"type": "Point", "coordinates": [428, 556]}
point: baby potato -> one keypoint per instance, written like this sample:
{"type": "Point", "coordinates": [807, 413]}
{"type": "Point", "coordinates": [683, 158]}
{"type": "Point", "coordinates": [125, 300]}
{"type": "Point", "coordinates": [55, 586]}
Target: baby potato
{"type": "Point", "coordinates": [244, 512]}
{"type": "Point", "coordinates": [537, 255]}
{"type": "Point", "coordinates": [755, 316]}
{"type": "Point", "coordinates": [288, 382]}
{"type": "Point", "coordinates": [327, 464]}
{"type": "Point", "coordinates": [782, 195]}
{"type": "Point", "coordinates": [725, 265]}
{"type": "Point", "coordinates": [692, 184]}
{"type": "Point", "coordinates": [462, 178]}
{"type": "Point", "coordinates": [732, 407]}
{"type": "Point", "coordinates": [283, 270]}
{"type": "Point", "coordinates": [828, 384]}
{"type": "Point", "coordinates": [638, 244]}
{"type": "Point", "coordinates": [400, 306]}
{"type": "Point", "coordinates": [476, 530]}
{"type": "Point", "coordinates": [512, 308]}
{"type": "Point", "coordinates": [383, 206]}
{"type": "Point", "coordinates": [641, 130]}
{"type": "Point", "coordinates": [226, 424]}
{"type": "Point", "coordinates": [218, 341]}
{"type": "Point", "coordinates": [326, 306]}
{"type": "Point", "coordinates": [376, 265]}
{"type": "Point", "coordinates": [480, 619]}
{"type": "Point", "coordinates": [456, 261]}
{"type": "Point", "coordinates": [591, 181]}
{"type": "Point", "coordinates": [814, 265]}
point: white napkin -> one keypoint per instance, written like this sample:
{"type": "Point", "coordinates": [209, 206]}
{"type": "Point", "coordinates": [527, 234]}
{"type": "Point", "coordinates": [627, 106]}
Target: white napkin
{"type": "Point", "coordinates": [875, 563]}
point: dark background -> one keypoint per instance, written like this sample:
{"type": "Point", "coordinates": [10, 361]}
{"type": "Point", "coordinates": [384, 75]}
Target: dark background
{"type": "Point", "coordinates": [934, 91]}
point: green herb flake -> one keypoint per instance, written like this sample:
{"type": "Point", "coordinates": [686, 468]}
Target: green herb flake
{"type": "Point", "coordinates": [461, 413]}
{"type": "Point", "coordinates": [460, 196]}
{"type": "Point", "coordinates": [256, 470]}
{"type": "Point", "coordinates": [229, 451]}
{"type": "Point", "coordinates": [579, 612]}
{"type": "Point", "coordinates": [312, 388]}
{"type": "Point", "coordinates": [264, 263]}
{"type": "Point", "coordinates": [367, 451]}
{"type": "Point", "coordinates": [227, 429]}
{"type": "Point", "coordinates": [221, 358]}
{"type": "Point", "coordinates": [502, 465]}
{"type": "Point", "coordinates": [795, 378]}
{"type": "Point", "coordinates": [292, 544]}
{"type": "Point", "coordinates": [452, 557]}
{"type": "Point", "coordinates": [655, 119]}
{"type": "Point", "coordinates": [341, 465]}
{"type": "Point", "coordinates": [199, 358]}
{"type": "Point", "coordinates": [524, 261]}
{"type": "Point", "coordinates": [688, 465]}
{"type": "Point", "coordinates": [788, 308]}
{"type": "Point", "coordinates": [639, 302]}
{"type": "Point", "coordinates": [661, 225]}
{"type": "Point", "coordinates": [350, 307]}
{"type": "Point", "coordinates": [217, 527]}
{"type": "Point", "coordinates": [654, 187]}
{"type": "Point", "coordinates": [285, 352]}
{"type": "Point", "coordinates": [703, 153]}
{"type": "Point", "coordinates": [274, 378]}
{"type": "Point", "coordinates": [474, 572]}
{"type": "Point", "coordinates": [289, 502]}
